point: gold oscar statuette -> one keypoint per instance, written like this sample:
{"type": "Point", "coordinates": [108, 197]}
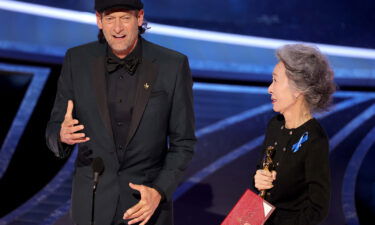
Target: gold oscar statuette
{"type": "Point", "coordinates": [267, 165]}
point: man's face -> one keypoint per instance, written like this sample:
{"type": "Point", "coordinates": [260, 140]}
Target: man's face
{"type": "Point", "coordinates": [120, 29]}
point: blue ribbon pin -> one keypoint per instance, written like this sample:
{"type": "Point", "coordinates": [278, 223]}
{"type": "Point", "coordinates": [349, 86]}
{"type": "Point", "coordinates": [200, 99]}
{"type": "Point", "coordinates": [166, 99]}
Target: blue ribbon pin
{"type": "Point", "coordinates": [302, 139]}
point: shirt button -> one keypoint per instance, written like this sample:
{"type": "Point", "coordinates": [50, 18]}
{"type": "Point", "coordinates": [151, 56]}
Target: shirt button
{"type": "Point", "coordinates": [121, 77]}
{"type": "Point", "coordinates": [290, 132]}
{"type": "Point", "coordinates": [120, 100]}
{"type": "Point", "coordinates": [277, 164]}
{"type": "Point", "coordinates": [268, 193]}
{"type": "Point", "coordinates": [284, 149]}
{"type": "Point", "coordinates": [120, 147]}
{"type": "Point", "coordinates": [275, 143]}
{"type": "Point", "coordinates": [119, 124]}
{"type": "Point", "coordinates": [282, 127]}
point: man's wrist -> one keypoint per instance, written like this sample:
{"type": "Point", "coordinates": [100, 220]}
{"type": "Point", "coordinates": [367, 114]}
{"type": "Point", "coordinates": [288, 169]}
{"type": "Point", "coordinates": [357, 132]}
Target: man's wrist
{"type": "Point", "coordinates": [158, 190]}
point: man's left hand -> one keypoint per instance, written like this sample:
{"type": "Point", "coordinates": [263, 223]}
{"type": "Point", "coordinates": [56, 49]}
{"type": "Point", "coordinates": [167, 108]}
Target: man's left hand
{"type": "Point", "coordinates": [145, 208]}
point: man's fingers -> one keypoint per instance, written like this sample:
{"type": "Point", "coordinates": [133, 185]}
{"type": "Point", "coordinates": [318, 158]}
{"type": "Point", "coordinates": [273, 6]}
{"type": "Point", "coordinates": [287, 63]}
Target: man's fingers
{"type": "Point", "coordinates": [143, 211]}
{"type": "Point", "coordinates": [70, 126]}
{"type": "Point", "coordinates": [132, 210]}
{"type": "Point", "coordinates": [137, 214]}
{"type": "Point", "coordinates": [72, 130]}
{"type": "Point", "coordinates": [81, 140]}
{"type": "Point", "coordinates": [69, 110]}
{"type": "Point", "coordinates": [72, 136]}
{"type": "Point", "coordinates": [68, 133]}
{"type": "Point", "coordinates": [145, 221]}
{"type": "Point", "coordinates": [77, 136]}
{"type": "Point", "coordinates": [75, 141]}
{"type": "Point", "coordinates": [135, 187]}
{"type": "Point", "coordinates": [70, 122]}
{"type": "Point", "coordinates": [76, 128]}
{"type": "Point", "coordinates": [136, 220]}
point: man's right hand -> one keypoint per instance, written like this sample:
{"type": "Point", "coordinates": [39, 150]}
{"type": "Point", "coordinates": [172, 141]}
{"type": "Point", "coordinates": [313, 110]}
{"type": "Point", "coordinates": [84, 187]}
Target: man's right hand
{"type": "Point", "coordinates": [70, 126]}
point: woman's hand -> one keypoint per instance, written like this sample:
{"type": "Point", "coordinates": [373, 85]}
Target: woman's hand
{"type": "Point", "coordinates": [263, 179]}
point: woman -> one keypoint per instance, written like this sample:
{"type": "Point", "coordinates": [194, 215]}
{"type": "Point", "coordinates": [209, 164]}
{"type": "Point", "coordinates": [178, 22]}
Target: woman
{"type": "Point", "coordinates": [299, 183]}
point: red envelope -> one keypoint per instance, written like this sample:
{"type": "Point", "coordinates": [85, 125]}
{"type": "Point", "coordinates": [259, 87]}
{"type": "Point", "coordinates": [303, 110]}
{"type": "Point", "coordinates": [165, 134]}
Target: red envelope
{"type": "Point", "coordinates": [251, 209]}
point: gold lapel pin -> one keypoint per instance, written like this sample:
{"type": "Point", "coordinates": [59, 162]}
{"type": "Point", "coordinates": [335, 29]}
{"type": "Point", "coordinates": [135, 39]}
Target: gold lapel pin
{"type": "Point", "coordinates": [146, 86]}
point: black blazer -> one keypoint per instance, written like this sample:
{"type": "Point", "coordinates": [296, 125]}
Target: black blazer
{"type": "Point", "coordinates": [301, 190]}
{"type": "Point", "coordinates": [161, 136]}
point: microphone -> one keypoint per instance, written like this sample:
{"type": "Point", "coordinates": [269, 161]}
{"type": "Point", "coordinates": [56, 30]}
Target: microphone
{"type": "Point", "coordinates": [98, 168]}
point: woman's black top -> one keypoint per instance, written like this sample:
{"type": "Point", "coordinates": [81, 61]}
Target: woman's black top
{"type": "Point", "coordinates": [301, 190]}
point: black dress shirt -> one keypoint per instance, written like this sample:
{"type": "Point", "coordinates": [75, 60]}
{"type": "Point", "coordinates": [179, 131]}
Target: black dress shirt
{"type": "Point", "coordinates": [121, 87]}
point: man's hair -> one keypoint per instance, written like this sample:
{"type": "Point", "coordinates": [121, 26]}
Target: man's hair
{"type": "Point", "coordinates": [141, 29]}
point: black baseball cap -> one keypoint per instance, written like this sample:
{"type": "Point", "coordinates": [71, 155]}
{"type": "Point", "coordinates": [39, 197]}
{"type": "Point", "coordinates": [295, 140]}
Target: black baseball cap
{"type": "Point", "coordinates": [102, 5]}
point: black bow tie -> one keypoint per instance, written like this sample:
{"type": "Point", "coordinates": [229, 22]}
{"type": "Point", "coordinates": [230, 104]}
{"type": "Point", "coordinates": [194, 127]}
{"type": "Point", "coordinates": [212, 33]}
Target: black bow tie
{"type": "Point", "coordinates": [129, 64]}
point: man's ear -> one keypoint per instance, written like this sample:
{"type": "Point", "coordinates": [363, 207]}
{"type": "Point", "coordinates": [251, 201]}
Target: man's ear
{"type": "Point", "coordinates": [99, 20]}
{"type": "Point", "coordinates": [140, 17]}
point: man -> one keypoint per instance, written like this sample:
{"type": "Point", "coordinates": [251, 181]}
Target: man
{"type": "Point", "coordinates": [129, 102]}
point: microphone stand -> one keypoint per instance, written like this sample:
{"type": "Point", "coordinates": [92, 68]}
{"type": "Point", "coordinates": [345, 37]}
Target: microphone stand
{"type": "Point", "coordinates": [93, 202]}
{"type": "Point", "coordinates": [98, 168]}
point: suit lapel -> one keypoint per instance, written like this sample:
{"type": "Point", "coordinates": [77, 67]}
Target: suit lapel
{"type": "Point", "coordinates": [147, 72]}
{"type": "Point", "coordinates": [100, 89]}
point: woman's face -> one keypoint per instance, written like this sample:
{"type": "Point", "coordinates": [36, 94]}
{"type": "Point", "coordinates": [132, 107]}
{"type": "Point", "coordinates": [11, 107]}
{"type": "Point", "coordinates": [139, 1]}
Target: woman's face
{"type": "Point", "coordinates": [283, 95]}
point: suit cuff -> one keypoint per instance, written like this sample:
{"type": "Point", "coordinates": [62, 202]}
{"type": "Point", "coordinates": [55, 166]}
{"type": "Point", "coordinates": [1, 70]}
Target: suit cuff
{"type": "Point", "coordinates": [159, 190]}
{"type": "Point", "coordinates": [64, 149]}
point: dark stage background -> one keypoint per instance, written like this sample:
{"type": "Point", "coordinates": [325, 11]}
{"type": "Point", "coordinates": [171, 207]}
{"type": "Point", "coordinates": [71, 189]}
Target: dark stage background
{"type": "Point", "coordinates": [230, 44]}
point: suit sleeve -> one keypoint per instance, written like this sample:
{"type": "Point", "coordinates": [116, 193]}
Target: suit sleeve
{"type": "Point", "coordinates": [318, 180]}
{"type": "Point", "coordinates": [64, 93]}
{"type": "Point", "coordinates": [181, 134]}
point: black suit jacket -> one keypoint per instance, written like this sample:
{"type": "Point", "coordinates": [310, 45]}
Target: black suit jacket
{"type": "Point", "coordinates": [161, 136]}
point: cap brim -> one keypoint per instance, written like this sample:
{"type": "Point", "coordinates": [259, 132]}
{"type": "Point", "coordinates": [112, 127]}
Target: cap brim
{"type": "Point", "coordinates": [118, 7]}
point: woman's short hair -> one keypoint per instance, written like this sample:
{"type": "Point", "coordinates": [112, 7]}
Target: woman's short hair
{"type": "Point", "coordinates": [310, 73]}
